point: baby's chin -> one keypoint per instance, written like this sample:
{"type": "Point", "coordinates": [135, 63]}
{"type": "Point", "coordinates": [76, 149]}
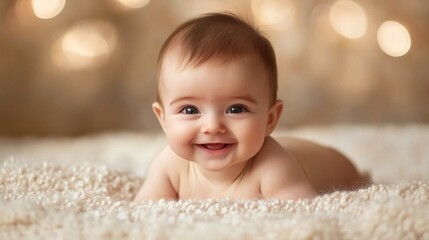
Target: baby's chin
{"type": "Point", "coordinates": [213, 162]}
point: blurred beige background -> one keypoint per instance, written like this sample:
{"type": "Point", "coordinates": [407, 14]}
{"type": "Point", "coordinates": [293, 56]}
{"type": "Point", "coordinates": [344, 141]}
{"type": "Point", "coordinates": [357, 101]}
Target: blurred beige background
{"type": "Point", "coordinates": [77, 66]}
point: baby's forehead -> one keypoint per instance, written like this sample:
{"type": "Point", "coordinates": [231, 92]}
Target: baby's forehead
{"type": "Point", "coordinates": [243, 70]}
{"type": "Point", "coordinates": [179, 60]}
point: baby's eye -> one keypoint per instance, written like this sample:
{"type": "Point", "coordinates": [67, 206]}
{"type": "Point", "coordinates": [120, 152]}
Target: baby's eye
{"type": "Point", "coordinates": [236, 109]}
{"type": "Point", "coordinates": [189, 110]}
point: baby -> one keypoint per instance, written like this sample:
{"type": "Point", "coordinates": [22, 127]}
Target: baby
{"type": "Point", "coordinates": [217, 104]}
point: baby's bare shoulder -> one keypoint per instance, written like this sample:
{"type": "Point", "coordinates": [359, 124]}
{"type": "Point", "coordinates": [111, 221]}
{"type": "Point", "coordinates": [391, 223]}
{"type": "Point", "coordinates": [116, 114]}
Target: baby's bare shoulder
{"type": "Point", "coordinates": [281, 176]}
{"type": "Point", "coordinates": [168, 162]}
{"type": "Point", "coordinates": [272, 156]}
{"type": "Point", "coordinates": [166, 156]}
{"type": "Point", "coordinates": [161, 178]}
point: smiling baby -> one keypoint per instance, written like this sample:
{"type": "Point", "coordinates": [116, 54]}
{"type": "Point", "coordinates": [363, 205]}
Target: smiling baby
{"type": "Point", "coordinates": [217, 104]}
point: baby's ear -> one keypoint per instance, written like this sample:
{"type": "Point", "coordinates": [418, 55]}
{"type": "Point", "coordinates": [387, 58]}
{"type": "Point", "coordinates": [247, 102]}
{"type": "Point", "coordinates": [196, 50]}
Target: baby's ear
{"type": "Point", "coordinates": [159, 112]}
{"type": "Point", "coordinates": [273, 116]}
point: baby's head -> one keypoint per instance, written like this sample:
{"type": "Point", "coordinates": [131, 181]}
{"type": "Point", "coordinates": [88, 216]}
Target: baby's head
{"type": "Point", "coordinates": [222, 38]}
{"type": "Point", "coordinates": [217, 84]}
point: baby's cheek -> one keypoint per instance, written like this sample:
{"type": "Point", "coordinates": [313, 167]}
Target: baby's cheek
{"type": "Point", "coordinates": [253, 136]}
{"type": "Point", "coordinates": [179, 137]}
{"type": "Point", "coordinates": [179, 148]}
{"type": "Point", "coordinates": [177, 127]}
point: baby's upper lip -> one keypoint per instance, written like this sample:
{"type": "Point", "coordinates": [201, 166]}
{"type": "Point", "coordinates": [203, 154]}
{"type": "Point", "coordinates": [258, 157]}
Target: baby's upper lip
{"type": "Point", "coordinates": [214, 142]}
{"type": "Point", "coordinates": [213, 145]}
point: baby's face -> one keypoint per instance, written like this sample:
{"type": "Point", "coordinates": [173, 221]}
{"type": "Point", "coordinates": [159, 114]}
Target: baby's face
{"type": "Point", "coordinates": [215, 114]}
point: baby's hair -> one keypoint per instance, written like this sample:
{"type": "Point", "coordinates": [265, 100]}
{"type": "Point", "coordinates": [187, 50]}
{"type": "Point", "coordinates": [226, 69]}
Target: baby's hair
{"type": "Point", "coordinates": [223, 37]}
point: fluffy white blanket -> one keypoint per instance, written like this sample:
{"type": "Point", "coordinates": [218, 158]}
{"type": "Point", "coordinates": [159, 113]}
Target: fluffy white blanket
{"type": "Point", "coordinates": [80, 188]}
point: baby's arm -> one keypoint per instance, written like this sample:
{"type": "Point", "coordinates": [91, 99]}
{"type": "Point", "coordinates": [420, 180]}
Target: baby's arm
{"type": "Point", "coordinates": [281, 175]}
{"type": "Point", "coordinates": [157, 184]}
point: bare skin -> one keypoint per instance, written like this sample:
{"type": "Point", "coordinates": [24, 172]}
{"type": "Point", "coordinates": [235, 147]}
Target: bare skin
{"type": "Point", "coordinates": [218, 129]}
{"type": "Point", "coordinates": [300, 169]}
{"type": "Point", "coordinates": [326, 169]}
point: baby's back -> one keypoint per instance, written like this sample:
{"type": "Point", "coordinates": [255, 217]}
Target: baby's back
{"type": "Point", "coordinates": [326, 169]}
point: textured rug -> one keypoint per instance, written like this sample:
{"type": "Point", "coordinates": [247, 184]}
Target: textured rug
{"type": "Point", "coordinates": [81, 188]}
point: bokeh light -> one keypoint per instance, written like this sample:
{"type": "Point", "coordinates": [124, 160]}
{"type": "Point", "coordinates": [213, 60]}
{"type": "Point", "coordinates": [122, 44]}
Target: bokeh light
{"type": "Point", "coordinates": [275, 14]}
{"type": "Point", "coordinates": [24, 12]}
{"type": "Point", "coordinates": [133, 3]}
{"type": "Point", "coordinates": [394, 39]}
{"type": "Point", "coordinates": [86, 44]}
{"type": "Point", "coordinates": [348, 19]}
{"type": "Point", "coordinates": [46, 9]}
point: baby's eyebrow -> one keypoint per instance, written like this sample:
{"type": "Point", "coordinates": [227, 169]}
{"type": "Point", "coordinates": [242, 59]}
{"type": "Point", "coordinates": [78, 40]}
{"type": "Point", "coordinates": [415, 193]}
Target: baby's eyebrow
{"type": "Point", "coordinates": [184, 98]}
{"type": "Point", "coordinates": [247, 98]}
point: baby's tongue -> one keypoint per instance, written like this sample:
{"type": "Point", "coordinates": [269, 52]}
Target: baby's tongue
{"type": "Point", "coordinates": [214, 146]}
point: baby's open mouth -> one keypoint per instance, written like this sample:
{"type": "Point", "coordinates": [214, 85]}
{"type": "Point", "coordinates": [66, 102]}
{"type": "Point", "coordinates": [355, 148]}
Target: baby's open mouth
{"type": "Point", "coordinates": [214, 146]}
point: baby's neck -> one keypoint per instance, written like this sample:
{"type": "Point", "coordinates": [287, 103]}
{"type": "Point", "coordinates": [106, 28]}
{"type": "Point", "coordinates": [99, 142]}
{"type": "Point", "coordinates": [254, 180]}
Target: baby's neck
{"type": "Point", "coordinates": [220, 179]}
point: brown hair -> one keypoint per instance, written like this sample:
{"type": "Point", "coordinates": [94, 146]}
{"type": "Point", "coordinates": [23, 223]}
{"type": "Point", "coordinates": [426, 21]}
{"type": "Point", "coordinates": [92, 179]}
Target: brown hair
{"type": "Point", "coordinates": [220, 36]}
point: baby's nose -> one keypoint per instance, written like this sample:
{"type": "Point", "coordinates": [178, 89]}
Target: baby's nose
{"type": "Point", "coordinates": [213, 124]}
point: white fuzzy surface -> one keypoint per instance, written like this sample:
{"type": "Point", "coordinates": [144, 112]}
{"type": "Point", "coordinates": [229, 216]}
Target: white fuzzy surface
{"type": "Point", "coordinates": [80, 188]}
